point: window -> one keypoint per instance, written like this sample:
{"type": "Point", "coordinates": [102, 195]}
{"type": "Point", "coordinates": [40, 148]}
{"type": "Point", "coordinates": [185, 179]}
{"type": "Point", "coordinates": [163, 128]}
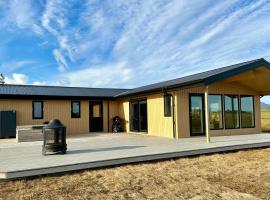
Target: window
{"type": "Point", "coordinates": [138, 115]}
{"type": "Point", "coordinates": [196, 114]}
{"type": "Point", "coordinates": [231, 112]}
{"type": "Point", "coordinates": [167, 105]}
{"type": "Point", "coordinates": [215, 112]}
{"type": "Point", "coordinates": [247, 112]}
{"type": "Point", "coordinates": [37, 110]}
{"type": "Point", "coordinates": [75, 109]}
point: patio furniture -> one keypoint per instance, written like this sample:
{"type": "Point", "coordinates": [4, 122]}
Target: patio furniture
{"type": "Point", "coordinates": [54, 138]}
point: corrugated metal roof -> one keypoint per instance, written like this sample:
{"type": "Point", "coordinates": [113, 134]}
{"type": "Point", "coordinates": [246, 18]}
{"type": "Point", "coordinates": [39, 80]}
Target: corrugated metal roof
{"type": "Point", "coordinates": [204, 77]}
{"type": "Point", "coordinates": [56, 91]}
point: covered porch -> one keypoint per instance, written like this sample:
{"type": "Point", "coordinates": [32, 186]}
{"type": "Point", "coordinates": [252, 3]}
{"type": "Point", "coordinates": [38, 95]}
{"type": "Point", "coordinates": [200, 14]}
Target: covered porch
{"type": "Point", "coordinates": [100, 150]}
{"type": "Point", "coordinates": [242, 87]}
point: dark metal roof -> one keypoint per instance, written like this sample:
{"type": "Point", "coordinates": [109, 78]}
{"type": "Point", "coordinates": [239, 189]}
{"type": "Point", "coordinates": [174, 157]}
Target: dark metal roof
{"type": "Point", "coordinates": [33, 91]}
{"type": "Point", "coordinates": [58, 92]}
{"type": "Point", "coordinates": [206, 78]}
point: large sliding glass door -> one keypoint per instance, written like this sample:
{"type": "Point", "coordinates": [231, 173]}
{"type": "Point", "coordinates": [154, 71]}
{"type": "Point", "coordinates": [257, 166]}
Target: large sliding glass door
{"type": "Point", "coordinates": [196, 114]}
{"type": "Point", "coordinates": [138, 115]}
{"type": "Point", "coordinates": [143, 116]}
{"type": "Point", "coordinates": [134, 116]}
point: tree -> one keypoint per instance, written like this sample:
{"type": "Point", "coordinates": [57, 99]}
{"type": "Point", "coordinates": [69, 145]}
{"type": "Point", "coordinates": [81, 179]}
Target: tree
{"type": "Point", "coordinates": [2, 79]}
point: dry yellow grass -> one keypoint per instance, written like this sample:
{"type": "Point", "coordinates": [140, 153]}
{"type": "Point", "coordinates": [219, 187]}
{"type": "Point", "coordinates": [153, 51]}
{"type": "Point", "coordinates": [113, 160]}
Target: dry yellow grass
{"type": "Point", "coordinates": [239, 175]}
{"type": "Point", "coordinates": [266, 120]}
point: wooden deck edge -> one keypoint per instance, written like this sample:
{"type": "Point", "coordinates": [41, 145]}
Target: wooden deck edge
{"type": "Point", "coordinates": [120, 161]}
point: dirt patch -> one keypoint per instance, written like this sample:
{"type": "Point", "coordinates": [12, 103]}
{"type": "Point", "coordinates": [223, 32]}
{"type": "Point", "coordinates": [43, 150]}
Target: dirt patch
{"type": "Point", "coordinates": [240, 175]}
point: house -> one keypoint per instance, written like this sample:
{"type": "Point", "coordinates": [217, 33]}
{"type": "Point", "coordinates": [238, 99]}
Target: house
{"type": "Point", "coordinates": [173, 109]}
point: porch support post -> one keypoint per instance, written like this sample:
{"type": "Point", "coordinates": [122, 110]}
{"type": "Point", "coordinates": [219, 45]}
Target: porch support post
{"type": "Point", "coordinates": [206, 114]}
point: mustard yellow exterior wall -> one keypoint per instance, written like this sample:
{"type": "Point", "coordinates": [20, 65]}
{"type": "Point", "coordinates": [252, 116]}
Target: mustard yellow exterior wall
{"type": "Point", "coordinates": [158, 125]}
{"type": "Point", "coordinates": [113, 111]}
{"type": "Point", "coordinates": [60, 109]}
{"type": "Point", "coordinates": [123, 111]}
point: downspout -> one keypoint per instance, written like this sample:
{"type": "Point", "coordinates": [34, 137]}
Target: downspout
{"type": "Point", "coordinates": [173, 118]}
{"type": "Point", "coordinates": [173, 111]}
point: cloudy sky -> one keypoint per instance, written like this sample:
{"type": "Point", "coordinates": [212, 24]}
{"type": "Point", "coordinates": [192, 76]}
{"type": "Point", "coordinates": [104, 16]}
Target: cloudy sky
{"type": "Point", "coordinates": [127, 43]}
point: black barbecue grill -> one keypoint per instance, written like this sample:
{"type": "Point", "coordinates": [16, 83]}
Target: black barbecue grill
{"type": "Point", "coordinates": [54, 138]}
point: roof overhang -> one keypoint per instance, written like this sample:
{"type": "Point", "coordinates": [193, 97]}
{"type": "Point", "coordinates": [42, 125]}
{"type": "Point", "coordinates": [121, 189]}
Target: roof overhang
{"type": "Point", "coordinates": [255, 79]}
{"type": "Point", "coordinates": [237, 71]}
{"type": "Point", "coordinates": [203, 78]}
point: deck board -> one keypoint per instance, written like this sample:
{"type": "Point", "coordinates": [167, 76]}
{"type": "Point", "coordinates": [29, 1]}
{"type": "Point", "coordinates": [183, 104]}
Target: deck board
{"type": "Point", "coordinates": [25, 159]}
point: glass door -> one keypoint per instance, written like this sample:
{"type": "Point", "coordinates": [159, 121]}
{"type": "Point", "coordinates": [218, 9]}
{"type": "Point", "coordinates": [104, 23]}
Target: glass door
{"type": "Point", "coordinates": [138, 115]}
{"type": "Point", "coordinates": [143, 116]}
{"type": "Point", "coordinates": [134, 116]}
{"type": "Point", "coordinates": [196, 110]}
{"type": "Point", "coordinates": [96, 116]}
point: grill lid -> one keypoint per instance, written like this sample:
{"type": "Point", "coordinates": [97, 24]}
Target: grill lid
{"type": "Point", "coordinates": [55, 123]}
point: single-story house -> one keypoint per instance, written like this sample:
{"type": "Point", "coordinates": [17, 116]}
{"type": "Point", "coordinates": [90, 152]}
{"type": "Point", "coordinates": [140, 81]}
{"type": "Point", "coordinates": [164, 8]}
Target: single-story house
{"type": "Point", "coordinates": [223, 101]}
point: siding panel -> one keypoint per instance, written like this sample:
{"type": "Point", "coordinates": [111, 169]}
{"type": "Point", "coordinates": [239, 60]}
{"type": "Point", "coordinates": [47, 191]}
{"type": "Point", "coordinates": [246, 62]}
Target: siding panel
{"type": "Point", "coordinates": [60, 109]}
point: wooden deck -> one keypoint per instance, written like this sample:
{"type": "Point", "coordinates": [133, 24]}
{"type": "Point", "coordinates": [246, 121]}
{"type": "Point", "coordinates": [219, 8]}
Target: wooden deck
{"type": "Point", "coordinates": [25, 159]}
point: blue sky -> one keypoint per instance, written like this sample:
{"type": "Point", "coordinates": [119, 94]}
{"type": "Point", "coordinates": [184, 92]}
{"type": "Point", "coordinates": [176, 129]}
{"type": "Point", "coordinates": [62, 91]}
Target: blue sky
{"type": "Point", "coordinates": [127, 43]}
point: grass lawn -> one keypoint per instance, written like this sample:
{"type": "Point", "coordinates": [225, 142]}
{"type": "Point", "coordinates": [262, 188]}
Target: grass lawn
{"type": "Point", "coordinates": [266, 120]}
{"type": "Point", "coordinates": [239, 175]}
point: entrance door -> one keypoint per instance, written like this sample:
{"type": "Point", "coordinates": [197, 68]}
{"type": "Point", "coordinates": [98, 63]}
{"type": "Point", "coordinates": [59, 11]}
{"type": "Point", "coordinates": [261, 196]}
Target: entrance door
{"type": "Point", "coordinates": [196, 114]}
{"type": "Point", "coordinates": [138, 115]}
{"type": "Point", "coordinates": [95, 116]}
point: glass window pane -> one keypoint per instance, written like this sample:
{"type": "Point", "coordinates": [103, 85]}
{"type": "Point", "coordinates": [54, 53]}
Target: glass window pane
{"type": "Point", "coordinates": [134, 116]}
{"type": "Point", "coordinates": [247, 112]}
{"type": "Point", "coordinates": [197, 125]}
{"type": "Point", "coordinates": [215, 112]}
{"type": "Point", "coordinates": [143, 115]}
{"type": "Point", "coordinates": [167, 105]}
{"type": "Point", "coordinates": [37, 112]}
{"type": "Point", "coordinates": [231, 112]}
{"type": "Point", "coordinates": [138, 115]}
{"type": "Point", "coordinates": [75, 109]}
{"type": "Point", "coordinates": [96, 110]}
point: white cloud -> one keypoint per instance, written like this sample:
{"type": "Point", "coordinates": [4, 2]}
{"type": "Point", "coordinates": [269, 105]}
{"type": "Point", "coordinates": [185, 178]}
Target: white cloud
{"type": "Point", "coordinates": [101, 76]}
{"type": "Point", "coordinates": [22, 79]}
{"type": "Point", "coordinates": [54, 21]}
{"type": "Point", "coordinates": [155, 40]}
{"type": "Point", "coordinates": [220, 26]}
{"type": "Point", "coordinates": [60, 59]}
{"type": "Point", "coordinates": [17, 79]}
{"type": "Point", "coordinates": [14, 65]}
{"type": "Point", "coordinates": [151, 40]}
{"type": "Point", "coordinates": [180, 38]}
{"type": "Point", "coordinates": [40, 83]}
{"type": "Point", "coordinates": [21, 14]}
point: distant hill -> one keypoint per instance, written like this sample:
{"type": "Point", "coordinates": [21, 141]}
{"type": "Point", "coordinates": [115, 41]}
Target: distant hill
{"type": "Point", "coordinates": [265, 105]}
